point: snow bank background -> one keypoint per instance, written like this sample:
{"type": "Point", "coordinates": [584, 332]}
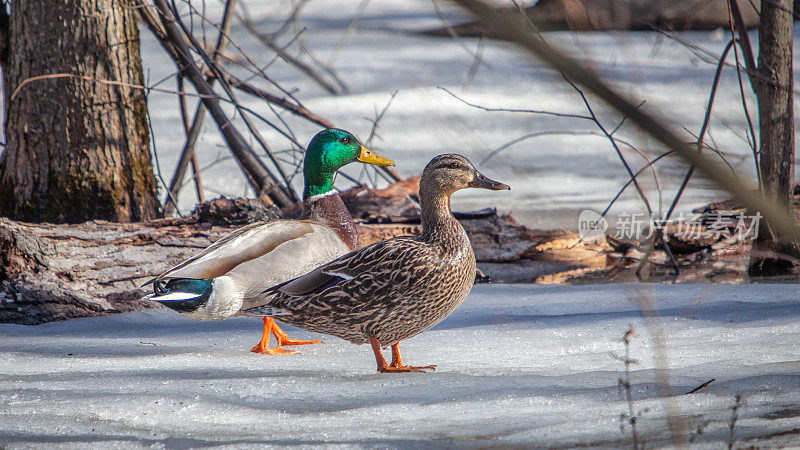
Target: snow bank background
{"type": "Point", "coordinates": [552, 177]}
{"type": "Point", "coordinates": [525, 365]}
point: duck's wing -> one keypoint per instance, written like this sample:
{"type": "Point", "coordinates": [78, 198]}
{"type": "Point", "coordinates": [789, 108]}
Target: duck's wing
{"type": "Point", "coordinates": [357, 281]}
{"type": "Point", "coordinates": [245, 244]}
{"type": "Point", "coordinates": [384, 261]}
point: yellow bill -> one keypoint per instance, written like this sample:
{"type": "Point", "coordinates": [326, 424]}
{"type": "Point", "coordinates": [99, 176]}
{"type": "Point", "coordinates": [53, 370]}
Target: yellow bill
{"type": "Point", "coordinates": [369, 157]}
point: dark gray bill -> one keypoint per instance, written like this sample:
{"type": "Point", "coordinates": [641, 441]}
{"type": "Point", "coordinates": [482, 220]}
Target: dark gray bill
{"type": "Point", "coordinates": [481, 181]}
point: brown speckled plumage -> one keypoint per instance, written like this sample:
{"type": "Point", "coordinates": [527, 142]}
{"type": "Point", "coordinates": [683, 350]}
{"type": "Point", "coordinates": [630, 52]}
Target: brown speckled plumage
{"type": "Point", "coordinates": [394, 289]}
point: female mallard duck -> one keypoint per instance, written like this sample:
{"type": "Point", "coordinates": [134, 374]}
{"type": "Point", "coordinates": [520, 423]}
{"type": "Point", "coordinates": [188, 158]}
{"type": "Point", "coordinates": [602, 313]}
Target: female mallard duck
{"type": "Point", "coordinates": [231, 273]}
{"type": "Point", "coordinates": [393, 289]}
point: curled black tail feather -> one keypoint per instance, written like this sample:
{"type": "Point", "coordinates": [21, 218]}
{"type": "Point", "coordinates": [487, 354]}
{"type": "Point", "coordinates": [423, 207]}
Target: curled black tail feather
{"type": "Point", "coordinates": [182, 294]}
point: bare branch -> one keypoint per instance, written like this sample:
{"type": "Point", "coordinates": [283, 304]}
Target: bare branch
{"type": "Point", "coordinates": [257, 173]}
{"type": "Point", "coordinates": [193, 131]}
{"type": "Point", "coordinates": [351, 28]}
{"type": "Point", "coordinates": [748, 55]}
{"type": "Point", "coordinates": [379, 117]}
{"type": "Point", "coordinates": [212, 65]}
{"type": "Point", "coordinates": [516, 141]}
{"type": "Point", "coordinates": [530, 111]}
{"type": "Point", "coordinates": [303, 67]}
{"type": "Point", "coordinates": [108, 82]}
{"type": "Point", "coordinates": [709, 108]}
{"type": "Point", "coordinates": [296, 109]}
{"type": "Point", "coordinates": [744, 38]}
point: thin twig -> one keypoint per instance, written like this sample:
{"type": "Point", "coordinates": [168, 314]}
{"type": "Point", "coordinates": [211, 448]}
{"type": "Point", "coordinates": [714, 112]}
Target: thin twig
{"type": "Point", "coordinates": [734, 15]}
{"type": "Point", "coordinates": [153, 140]}
{"type": "Point", "coordinates": [525, 137]}
{"type": "Point", "coordinates": [630, 181]}
{"type": "Point", "coordinates": [476, 62]}
{"type": "Point", "coordinates": [303, 67]}
{"type": "Point", "coordinates": [298, 110]}
{"type": "Point", "coordinates": [737, 403]}
{"type": "Point", "coordinates": [290, 19]}
{"type": "Point", "coordinates": [349, 31]}
{"type": "Point", "coordinates": [187, 154]}
{"type": "Point", "coordinates": [27, 81]}
{"type": "Point", "coordinates": [657, 235]}
{"type": "Point", "coordinates": [706, 119]}
{"type": "Point", "coordinates": [713, 149]}
{"type": "Point", "coordinates": [367, 170]}
{"type": "Point", "coordinates": [625, 383]}
{"type": "Point", "coordinates": [646, 304]}
{"type": "Point", "coordinates": [379, 117]}
{"type": "Point", "coordinates": [324, 67]}
{"type": "Point", "coordinates": [251, 66]}
{"type": "Point", "coordinates": [594, 118]}
{"type": "Point", "coordinates": [476, 57]}
{"type": "Point", "coordinates": [712, 58]}
{"type": "Point", "coordinates": [702, 386]}
{"type": "Point", "coordinates": [512, 110]}
{"type": "Point", "coordinates": [734, 130]}
{"type": "Point", "coordinates": [229, 80]}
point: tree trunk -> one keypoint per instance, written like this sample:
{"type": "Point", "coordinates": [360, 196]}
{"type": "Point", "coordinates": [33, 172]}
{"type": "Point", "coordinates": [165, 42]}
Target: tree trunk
{"type": "Point", "coordinates": [76, 149]}
{"type": "Point", "coordinates": [776, 123]}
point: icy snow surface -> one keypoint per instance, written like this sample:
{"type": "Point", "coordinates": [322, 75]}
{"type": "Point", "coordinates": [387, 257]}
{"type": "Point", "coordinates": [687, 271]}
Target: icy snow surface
{"type": "Point", "coordinates": [518, 365]}
{"type": "Point", "coordinates": [553, 177]}
{"type": "Point", "coordinates": [525, 365]}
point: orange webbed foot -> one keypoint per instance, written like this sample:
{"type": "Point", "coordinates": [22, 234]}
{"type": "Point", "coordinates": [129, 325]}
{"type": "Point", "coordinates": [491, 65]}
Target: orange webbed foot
{"type": "Point", "coordinates": [402, 369]}
{"type": "Point", "coordinates": [283, 338]}
{"type": "Point", "coordinates": [397, 363]}
{"type": "Point", "coordinates": [272, 351]}
{"type": "Point", "coordinates": [264, 349]}
{"type": "Point", "coordinates": [263, 346]}
{"type": "Point", "coordinates": [299, 342]}
{"type": "Point", "coordinates": [287, 341]}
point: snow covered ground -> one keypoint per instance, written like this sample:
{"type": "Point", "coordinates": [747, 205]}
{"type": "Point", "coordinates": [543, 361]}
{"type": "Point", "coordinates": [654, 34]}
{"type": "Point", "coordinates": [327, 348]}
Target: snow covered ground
{"type": "Point", "coordinates": [522, 365]}
{"type": "Point", "coordinates": [553, 176]}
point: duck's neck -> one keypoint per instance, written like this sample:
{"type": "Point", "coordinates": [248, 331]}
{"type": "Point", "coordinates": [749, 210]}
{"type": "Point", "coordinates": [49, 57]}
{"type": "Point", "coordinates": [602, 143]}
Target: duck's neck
{"type": "Point", "coordinates": [328, 209]}
{"type": "Point", "coordinates": [317, 183]}
{"type": "Point", "coordinates": [438, 223]}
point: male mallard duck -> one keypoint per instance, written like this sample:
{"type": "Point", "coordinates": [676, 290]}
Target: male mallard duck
{"type": "Point", "coordinates": [228, 275]}
{"type": "Point", "coordinates": [393, 289]}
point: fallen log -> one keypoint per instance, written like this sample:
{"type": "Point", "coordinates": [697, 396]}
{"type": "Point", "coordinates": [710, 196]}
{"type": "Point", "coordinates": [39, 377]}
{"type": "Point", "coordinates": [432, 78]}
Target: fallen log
{"type": "Point", "coordinates": [714, 245]}
{"type": "Point", "coordinates": [54, 272]}
{"type": "Point", "coordinates": [621, 15]}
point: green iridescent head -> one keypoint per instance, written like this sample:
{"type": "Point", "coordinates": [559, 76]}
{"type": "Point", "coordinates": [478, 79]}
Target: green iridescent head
{"type": "Point", "coordinates": [329, 151]}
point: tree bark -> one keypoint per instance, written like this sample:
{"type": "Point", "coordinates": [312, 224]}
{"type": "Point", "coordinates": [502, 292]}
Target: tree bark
{"type": "Point", "coordinates": [77, 149]}
{"type": "Point", "coordinates": [774, 89]}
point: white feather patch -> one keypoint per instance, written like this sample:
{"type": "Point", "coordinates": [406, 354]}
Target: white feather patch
{"type": "Point", "coordinates": [314, 198]}
{"type": "Point", "coordinates": [340, 275]}
{"type": "Point", "coordinates": [172, 297]}
{"type": "Point", "coordinates": [225, 300]}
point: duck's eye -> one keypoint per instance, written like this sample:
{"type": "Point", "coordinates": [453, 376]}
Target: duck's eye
{"type": "Point", "coordinates": [455, 165]}
{"type": "Point", "coordinates": [345, 140]}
